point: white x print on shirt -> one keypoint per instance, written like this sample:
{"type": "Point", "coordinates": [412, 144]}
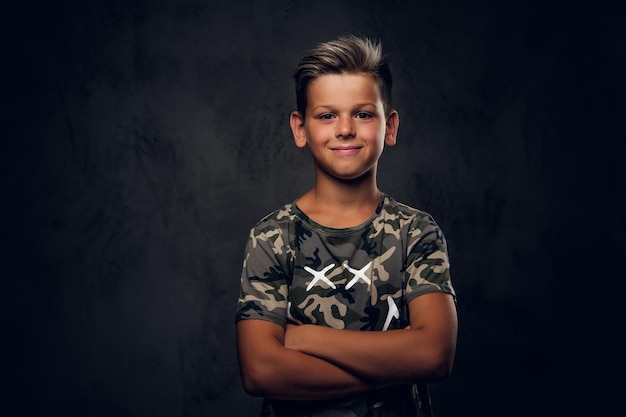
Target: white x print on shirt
{"type": "Point", "coordinates": [358, 274]}
{"type": "Point", "coordinates": [320, 276]}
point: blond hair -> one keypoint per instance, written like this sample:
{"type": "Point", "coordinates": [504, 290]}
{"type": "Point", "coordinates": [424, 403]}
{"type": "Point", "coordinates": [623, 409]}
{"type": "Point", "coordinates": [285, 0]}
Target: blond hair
{"type": "Point", "coordinates": [347, 54]}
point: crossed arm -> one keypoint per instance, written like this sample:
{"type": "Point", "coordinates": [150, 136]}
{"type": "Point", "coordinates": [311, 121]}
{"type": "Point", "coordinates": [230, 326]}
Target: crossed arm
{"type": "Point", "coordinates": [310, 362]}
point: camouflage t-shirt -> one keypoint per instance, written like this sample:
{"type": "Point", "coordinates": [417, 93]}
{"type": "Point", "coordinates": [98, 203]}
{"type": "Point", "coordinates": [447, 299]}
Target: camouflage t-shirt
{"type": "Point", "coordinates": [359, 278]}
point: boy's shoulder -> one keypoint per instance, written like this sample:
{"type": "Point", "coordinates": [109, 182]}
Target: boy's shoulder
{"type": "Point", "coordinates": [279, 217]}
{"type": "Point", "coordinates": [405, 211]}
{"type": "Point", "coordinates": [391, 204]}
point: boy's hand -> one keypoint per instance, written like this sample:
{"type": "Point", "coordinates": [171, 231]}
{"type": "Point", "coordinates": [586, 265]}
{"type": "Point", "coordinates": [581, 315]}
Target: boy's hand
{"type": "Point", "coordinates": [295, 335]}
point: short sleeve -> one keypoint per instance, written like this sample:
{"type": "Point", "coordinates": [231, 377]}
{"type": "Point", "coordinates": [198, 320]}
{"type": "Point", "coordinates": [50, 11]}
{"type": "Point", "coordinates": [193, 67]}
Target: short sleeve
{"type": "Point", "coordinates": [427, 264]}
{"type": "Point", "coordinates": [264, 282]}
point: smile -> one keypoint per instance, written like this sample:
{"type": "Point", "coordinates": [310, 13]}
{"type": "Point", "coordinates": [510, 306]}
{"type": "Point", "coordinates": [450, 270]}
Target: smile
{"type": "Point", "coordinates": [346, 150]}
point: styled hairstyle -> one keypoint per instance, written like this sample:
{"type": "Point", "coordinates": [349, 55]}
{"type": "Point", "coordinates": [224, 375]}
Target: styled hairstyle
{"type": "Point", "coordinates": [347, 54]}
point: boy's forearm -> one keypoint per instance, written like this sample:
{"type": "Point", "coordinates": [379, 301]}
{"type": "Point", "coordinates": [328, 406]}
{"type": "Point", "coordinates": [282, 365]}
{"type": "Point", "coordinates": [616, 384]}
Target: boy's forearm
{"type": "Point", "coordinates": [270, 370]}
{"type": "Point", "coordinates": [383, 356]}
{"type": "Point", "coordinates": [304, 377]}
{"type": "Point", "coordinates": [423, 353]}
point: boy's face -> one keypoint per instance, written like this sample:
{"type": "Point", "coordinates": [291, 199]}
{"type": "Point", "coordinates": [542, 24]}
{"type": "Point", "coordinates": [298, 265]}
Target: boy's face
{"type": "Point", "coordinates": [345, 125]}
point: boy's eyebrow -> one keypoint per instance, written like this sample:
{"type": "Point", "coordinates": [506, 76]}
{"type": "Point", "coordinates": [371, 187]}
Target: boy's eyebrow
{"type": "Point", "coordinates": [332, 107]}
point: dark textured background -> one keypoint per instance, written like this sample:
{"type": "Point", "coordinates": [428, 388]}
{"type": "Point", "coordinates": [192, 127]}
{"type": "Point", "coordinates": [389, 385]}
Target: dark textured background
{"type": "Point", "coordinates": [142, 139]}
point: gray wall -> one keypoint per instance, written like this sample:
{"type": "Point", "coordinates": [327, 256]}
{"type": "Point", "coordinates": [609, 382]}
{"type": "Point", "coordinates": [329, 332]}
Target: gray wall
{"type": "Point", "coordinates": [143, 139]}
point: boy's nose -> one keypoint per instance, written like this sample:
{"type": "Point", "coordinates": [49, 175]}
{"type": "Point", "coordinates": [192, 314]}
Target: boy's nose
{"type": "Point", "coordinates": [345, 127]}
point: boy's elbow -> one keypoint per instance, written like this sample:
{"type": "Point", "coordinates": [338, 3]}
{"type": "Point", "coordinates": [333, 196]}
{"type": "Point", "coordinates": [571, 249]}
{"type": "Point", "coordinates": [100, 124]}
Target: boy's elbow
{"type": "Point", "coordinates": [252, 385]}
{"type": "Point", "coordinates": [436, 366]}
{"type": "Point", "coordinates": [252, 389]}
{"type": "Point", "coordinates": [256, 381]}
{"type": "Point", "coordinates": [441, 370]}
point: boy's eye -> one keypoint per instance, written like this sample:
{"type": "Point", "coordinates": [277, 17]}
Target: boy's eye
{"type": "Point", "coordinates": [325, 116]}
{"type": "Point", "coordinates": [363, 115]}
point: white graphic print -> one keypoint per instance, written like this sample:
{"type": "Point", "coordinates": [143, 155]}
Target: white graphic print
{"type": "Point", "coordinates": [392, 313]}
{"type": "Point", "coordinates": [358, 274]}
{"type": "Point", "coordinates": [321, 275]}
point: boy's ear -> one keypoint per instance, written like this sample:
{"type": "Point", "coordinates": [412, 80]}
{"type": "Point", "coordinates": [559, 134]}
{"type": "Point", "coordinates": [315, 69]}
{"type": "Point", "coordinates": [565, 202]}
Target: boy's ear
{"type": "Point", "coordinates": [296, 121]}
{"type": "Point", "coordinates": [391, 128]}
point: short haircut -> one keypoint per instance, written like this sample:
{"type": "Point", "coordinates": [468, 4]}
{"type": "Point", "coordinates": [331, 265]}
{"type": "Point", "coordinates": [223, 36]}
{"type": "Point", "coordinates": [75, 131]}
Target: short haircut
{"type": "Point", "coordinates": [347, 54]}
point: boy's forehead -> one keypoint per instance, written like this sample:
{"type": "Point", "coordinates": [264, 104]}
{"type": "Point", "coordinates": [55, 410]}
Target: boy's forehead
{"type": "Point", "coordinates": [331, 87]}
{"type": "Point", "coordinates": [345, 77]}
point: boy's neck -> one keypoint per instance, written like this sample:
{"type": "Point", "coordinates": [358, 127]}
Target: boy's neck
{"type": "Point", "coordinates": [341, 204]}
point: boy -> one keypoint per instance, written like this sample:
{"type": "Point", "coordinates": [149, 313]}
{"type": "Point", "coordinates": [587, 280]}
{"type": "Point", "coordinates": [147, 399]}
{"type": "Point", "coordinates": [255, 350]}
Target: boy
{"type": "Point", "coordinates": [346, 304]}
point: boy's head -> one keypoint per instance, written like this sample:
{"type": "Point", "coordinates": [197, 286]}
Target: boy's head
{"type": "Point", "coordinates": [347, 54]}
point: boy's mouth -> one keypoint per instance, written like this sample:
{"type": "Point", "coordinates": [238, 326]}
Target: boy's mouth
{"type": "Point", "coordinates": [345, 150]}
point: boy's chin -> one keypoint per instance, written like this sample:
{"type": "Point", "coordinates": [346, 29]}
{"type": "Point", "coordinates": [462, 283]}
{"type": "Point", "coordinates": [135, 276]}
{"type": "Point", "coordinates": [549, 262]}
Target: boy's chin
{"type": "Point", "coordinates": [348, 176]}
{"type": "Point", "coordinates": [353, 178]}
